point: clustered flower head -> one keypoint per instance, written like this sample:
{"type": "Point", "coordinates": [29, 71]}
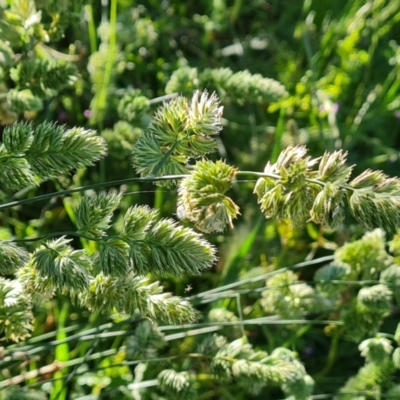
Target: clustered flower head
{"type": "Point", "coordinates": [202, 197]}
{"type": "Point", "coordinates": [239, 86]}
{"type": "Point", "coordinates": [375, 199]}
{"type": "Point", "coordinates": [287, 193]}
{"type": "Point", "coordinates": [133, 108]}
{"type": "Point", "coordinates": [293, 189]}
{"type": "Point", "coordinates": [205, 114]}
{"type": "Point", "coordinates": [296, 187]}
{"type": "Point", "coordinates": [180, 131]}
{"type": "Point", "coordinates": [30, 154]}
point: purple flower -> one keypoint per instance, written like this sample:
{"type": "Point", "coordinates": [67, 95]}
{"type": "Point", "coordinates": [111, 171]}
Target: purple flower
{"type": "Point", "coordinates": [62, 116]}
{"type": "Point", "coordinates": [87, 113]}
{"type": "Point", "coordinates": [309, 351]}
{"type": "Point", "coordinates": [397, 114]}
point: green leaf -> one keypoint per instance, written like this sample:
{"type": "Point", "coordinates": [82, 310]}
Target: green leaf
{"type": "Point", "coordinates": [396, 358]}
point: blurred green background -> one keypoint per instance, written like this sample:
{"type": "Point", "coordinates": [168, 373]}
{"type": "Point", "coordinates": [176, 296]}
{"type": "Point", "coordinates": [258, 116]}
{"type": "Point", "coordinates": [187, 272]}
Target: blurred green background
{"type": "Point", "coordinates": [339, 62]}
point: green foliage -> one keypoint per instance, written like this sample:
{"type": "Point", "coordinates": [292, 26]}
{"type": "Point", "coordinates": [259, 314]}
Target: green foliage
{"type": "Point", "coordinates": [146, 341]}
{"type": "Point", "coordinates": [120, 139]}
{"type": "Point", "coordinates": [43, 78]}
{"type": "Point", "coordinates": [391, 277]}
{"type": "Point", "coordinates": [375, 298]}
{"type": "Point", "coordinates": [310, 96]}
{"type": "Point", "coordinates": [288, 297]}
{"type": "Point", "coordinates": [21, 394]}
{"type": "Point", "coordinates": [28, 78]}
{"type": "Point", "coordinates": [361, 310]}
{"type": "Point", "coordinates": [396, 358]}
{"type": "Point", "coordinates": [133, 108]}
{"type": "Point", "coordinates": [367, 312]}
{"type": "Point", "coordinates": [327, 277]}
{"type": "Point", "coordinates": [254, 369]}
{"type": "Point", "coordinates": [376, 350]}
{"type": "Point", "coordinates": [371, 379]}
{"type": "Point", "coordinates": [366, 257]}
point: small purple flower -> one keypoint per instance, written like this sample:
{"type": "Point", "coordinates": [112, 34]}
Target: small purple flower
{"type": "Point", "coordinates": [397, 114]}
{"type": "Point", "coordinates": [309, 351]}
{"type": "Point", "coordinates": [87, 113]}
{"type": "Point", "coordinates": [62, 116]}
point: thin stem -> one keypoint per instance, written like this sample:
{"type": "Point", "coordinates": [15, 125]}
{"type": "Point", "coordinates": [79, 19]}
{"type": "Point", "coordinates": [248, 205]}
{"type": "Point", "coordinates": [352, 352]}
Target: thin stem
{"type": "Point", "coordinates": [120, 182]}
{"type": "Point", "coordinates": [57, 54]}
{"type": "Point", "coordinates": [92, 28]}
{"type": "Point", "coordinates": [270, 320]}
{"type": "Point", "coordinates": [163, 98]}
{"type": "Point", "coordinates": [278, 135]}
{"type": "Point", "coordinates": [84, 360]}
{"type": "Point", "coordinates": [97, 334]}
{"type": "Point", "coordinates": [259, 174]}
{"type": "Point", "coordinates": [239, 308]}
{"type": "Point", "coordinates": [29, 344]}
{"type": "Point", "coordinates": [275, 176]}
{"type": "Point", "coordinates": [261, 277]}
{"type": "Point", "coordinates": [299, 333]}
{"type": "Point", "coordinates": [332, 354]}
{"type": "Point", "coordinates": [162, 162]}
{"type": "Point", "coordinates": [100, 105]}
{"type": "Point", "coordinates": [309, 56]}
{"type": "Point", "coordinates": [68, 233]}
{"type": "Point", "coordinates": [230, 294]}
{"type": "Point", "coordinates": [88, 187]}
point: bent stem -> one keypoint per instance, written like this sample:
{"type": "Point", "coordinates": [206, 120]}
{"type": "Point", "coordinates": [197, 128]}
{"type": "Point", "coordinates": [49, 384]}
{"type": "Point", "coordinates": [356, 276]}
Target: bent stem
{"type": "Point", "coordinates": [120, 182]}
{"type": "Point", "coordinates": [332, 353]}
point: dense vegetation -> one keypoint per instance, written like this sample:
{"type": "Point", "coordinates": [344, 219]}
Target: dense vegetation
{"type": "Point", "coordinates": [199, 200]}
